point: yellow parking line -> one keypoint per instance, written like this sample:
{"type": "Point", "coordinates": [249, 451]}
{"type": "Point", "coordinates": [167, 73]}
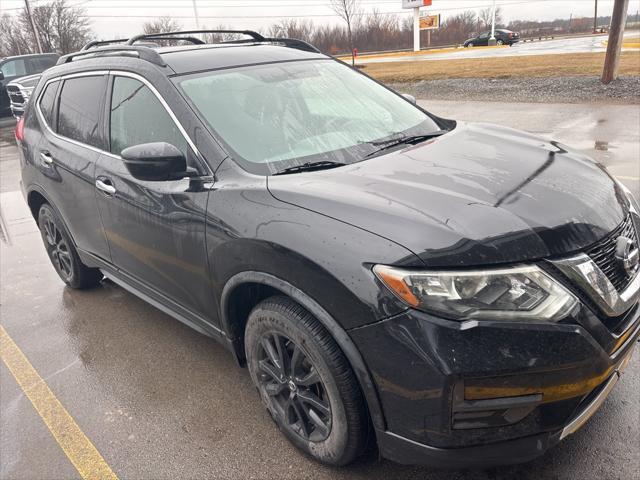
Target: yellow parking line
{"type": "Point", "coordinates": [78, 448]}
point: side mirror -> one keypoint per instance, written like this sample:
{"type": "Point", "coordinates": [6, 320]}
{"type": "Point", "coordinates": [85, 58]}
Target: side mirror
{"type": "Point", "coordinates": [411, 98]}
{"type": "Point", "coordinates": [155, 162]}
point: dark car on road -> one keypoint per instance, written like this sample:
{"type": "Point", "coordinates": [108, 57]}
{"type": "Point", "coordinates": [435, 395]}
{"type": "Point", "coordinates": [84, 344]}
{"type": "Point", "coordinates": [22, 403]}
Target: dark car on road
{"type": "Point", "coordinates": [503, 37]}
{"type": "Point", "coordinates": [13, 68]}
{"type": "Point", "coordinates": [453, 294]}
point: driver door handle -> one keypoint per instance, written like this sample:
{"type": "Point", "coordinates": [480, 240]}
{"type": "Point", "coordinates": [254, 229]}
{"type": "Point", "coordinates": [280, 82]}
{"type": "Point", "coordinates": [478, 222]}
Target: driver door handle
{"type": "Point", "coordinates": [106, 186]}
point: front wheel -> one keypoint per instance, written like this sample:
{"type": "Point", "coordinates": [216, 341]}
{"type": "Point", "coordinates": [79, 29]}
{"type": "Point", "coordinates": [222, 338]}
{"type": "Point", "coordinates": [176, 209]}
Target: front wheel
{"type": "Point", "coordinates": [305, 382]}
{"type": "Point", "coordinates": [470, 44]}
{"type": "Point", "coordinates": [499, 42]}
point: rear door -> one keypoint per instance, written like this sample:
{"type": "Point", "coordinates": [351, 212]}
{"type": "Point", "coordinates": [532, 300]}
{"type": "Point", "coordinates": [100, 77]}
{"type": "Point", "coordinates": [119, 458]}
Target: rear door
{"type": "Point", "coordinates": [155, 230]}
{"type": "Point", "coordinates": [483, 39]}
{"type": "Point", "coordinates": [71, 110]}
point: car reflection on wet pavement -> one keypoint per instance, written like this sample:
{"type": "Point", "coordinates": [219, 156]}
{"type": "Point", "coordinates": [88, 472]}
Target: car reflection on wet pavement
{"type": "Point", "coordinates": [158, 400]}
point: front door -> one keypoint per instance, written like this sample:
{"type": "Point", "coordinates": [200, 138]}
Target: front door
{"type": "Point", "coordinates": [155, 230]}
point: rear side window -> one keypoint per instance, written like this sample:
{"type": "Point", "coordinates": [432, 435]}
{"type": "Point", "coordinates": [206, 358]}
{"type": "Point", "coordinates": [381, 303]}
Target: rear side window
{"type": "Point", "coordinates": [13, 68]}
{"type": "Point", "coordinates": [47, 100]}
{"type": "Point", "coordinates": [79, 109]}
{"type": "Point", "coordinates": [137, 116]}
{"type": "Point", "coordinates": [40, 64]}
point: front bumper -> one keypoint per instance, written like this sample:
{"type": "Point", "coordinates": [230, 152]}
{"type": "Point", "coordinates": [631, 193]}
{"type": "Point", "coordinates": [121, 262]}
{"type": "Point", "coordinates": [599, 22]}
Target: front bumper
{"type": "Point", "coordinates": [487, 393]}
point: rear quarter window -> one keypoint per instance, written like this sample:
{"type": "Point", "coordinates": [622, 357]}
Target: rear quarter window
{"type": "Point", "coordinates": [47, 101]}
{"type": "Point", "coordinates": [79, 108]}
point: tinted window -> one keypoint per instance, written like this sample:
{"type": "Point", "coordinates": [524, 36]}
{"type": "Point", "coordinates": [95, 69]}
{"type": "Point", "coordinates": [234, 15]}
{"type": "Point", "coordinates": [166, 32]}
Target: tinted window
{"type": "Point", "coordinates": [46, 101]}
{"type": "Point", "coordinates": [40, 64]}
{"type": "Point", "coordinates": [79, 109]}
{"type": "Point", "coordinates": [13, 68]}
{"type": "Point", "coordinates": [137, 116]}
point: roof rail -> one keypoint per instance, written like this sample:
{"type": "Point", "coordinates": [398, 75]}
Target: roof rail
{"type": "Point", "coordinates": [96, 43]}
{"type": "Point", "coordinates": [144, 53]}
{"type": "Point", "coordinates": [154, 36]}
{"type": "Point", "coordinates": [287, 42]}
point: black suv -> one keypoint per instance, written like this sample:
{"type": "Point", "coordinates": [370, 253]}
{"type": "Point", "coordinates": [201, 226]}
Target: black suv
{"type": "Point", "coordinates": [455, 294]}
{"type": "Point", "coordinates": [13, 68]}
{"type": "Point", "coordinates": [503, 37]}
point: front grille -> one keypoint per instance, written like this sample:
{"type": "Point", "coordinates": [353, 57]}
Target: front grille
{"type": "Point", "coordinates": [15, 95]}
{"type": "Point", "coordinates": [603, 253]}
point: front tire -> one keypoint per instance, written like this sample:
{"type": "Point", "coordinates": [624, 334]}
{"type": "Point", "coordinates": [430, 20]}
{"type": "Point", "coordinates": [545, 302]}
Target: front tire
{"type": "Point", "coordinates": [499, 42]}
{"type": "Point", "coordinates": [305, 382]}
{"type": "Point", "coordinates": [470, 45]}
{"type": "Point", "coordinates": [62, 252]}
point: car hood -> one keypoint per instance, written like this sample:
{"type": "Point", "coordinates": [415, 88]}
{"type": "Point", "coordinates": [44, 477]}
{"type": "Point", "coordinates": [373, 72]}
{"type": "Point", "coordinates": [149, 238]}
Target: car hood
{"type": "Point", "coordinates": [480, 194]}
{"type": "Point", "coordinates": [26, 82]}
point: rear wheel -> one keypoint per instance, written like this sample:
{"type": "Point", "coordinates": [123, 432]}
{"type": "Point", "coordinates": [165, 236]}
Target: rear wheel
{"type": "Point", "coordinates": [499, 42]}
{"type": "Point", "coordinates": [62, 253]}
{"type": "Point", "coordinates": [305, 382]}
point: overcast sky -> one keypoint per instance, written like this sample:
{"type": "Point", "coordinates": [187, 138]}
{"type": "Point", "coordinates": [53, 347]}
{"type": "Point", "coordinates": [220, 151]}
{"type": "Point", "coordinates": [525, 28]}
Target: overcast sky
{"type": "Point", "coordinates": [122, 18]}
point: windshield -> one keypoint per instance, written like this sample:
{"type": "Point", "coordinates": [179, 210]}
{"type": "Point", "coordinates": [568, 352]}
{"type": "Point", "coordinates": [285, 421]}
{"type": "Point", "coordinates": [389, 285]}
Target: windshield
{"type": "Point", "coordinates": [282, 115]}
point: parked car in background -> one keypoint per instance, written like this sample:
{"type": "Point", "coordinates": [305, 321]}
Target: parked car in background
{"type": "Point", "coordinates": [13, 68]}
{"type": "Point", "coordinates": [503, 37]}
{"type": "Point", "coordinates": [19, 92]}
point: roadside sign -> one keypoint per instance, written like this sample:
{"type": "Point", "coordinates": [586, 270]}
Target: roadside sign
{"type": "Point", "coordinates": [416, 3]}
{"type": "Point", "coordinates": [430, 22]}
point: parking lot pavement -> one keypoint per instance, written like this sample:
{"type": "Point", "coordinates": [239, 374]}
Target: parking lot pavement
{"type": "Point", "coordinates": [158, 400]}
{"type": "Point", "coordinates": [583, 44]}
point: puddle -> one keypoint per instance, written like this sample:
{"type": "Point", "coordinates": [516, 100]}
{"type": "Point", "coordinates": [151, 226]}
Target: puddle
{"type": "Point", "coordinates": [602, 146]}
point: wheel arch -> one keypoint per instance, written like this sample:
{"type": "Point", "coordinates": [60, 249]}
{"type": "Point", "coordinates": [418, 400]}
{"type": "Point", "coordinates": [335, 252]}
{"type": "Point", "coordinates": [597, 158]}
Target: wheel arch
{"type": "Point", "coordinates": [264, 285]}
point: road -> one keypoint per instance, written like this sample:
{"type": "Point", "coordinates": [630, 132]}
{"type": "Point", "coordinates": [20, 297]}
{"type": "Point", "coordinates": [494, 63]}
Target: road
{"type": "Point", "coordinates": [160, 401]}
{"type": "Point", "coordinates": [584, 44]}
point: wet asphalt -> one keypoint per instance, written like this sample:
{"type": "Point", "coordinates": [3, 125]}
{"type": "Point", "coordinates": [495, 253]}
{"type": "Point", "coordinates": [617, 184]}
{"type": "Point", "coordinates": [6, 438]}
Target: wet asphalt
{"type": "Point", "coordinates": [160, 401]}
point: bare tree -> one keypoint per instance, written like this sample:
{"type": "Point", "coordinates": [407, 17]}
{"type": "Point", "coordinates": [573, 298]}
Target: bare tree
{"type": "Point", "coordinates": [485, 17]}
{"type": "Point", "coordinates": [12, 40]}
{"type": "Point", "coordinates": [348, 10]}
{"type": "Point", "coordinates": [61, 28]}
{"type": "Point", "coordinates": [221, 37]}
{"type": "Point", "coordinates": [161, 25]}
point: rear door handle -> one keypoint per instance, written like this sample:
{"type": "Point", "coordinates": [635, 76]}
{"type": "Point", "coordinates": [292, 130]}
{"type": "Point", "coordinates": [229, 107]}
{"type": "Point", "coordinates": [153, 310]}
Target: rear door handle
{"type": "Point", "coordinates": [46, 158]}
{"type": "Point", "coordinates": [106, 186]}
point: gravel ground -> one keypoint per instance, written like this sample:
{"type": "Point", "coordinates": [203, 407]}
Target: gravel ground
{"type": "Point", "coordinates": [587, 89]}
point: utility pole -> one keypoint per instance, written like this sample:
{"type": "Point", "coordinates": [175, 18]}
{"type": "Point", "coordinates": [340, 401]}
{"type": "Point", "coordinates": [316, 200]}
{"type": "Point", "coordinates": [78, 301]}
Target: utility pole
{"type": "Point", "coordinates": [195, 12]}
{"type": "Point", "coordinates": [33, 25]}
{"type": "Point", "coordinates": [492, 39]}
{"type": "Point", "coordinates": [595, 18]}
{"type": "Point", "coordinates": [416, 29]}
{"type": "Point", "coordinates": [616, 36]}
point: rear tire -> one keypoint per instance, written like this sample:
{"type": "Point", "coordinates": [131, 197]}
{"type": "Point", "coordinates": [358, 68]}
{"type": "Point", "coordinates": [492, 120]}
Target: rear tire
{"type": "Point", "coordinates": [62, 252]}
{"type": "Point", "coordinates": [499, 42]}
{"type": "Point", "coordinates": [305, 382]}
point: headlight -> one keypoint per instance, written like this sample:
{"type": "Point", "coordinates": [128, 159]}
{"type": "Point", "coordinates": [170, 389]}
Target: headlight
{"type": "Point", "coordinates": [519, 293]}
{"type": "Point", "coordinates": [26, 93]}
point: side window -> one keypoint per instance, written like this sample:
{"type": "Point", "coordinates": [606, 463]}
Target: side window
{"type": "Point", "coordinates": [79, 109]}
{"type": "Point", "coordinates": [14, 68]}
{"type": "Point", "coordinates": [40, 64]}
{"type": "Point", "coordinates": [137, 116]}
{"type": "Point", "coordinates": [47, 100]}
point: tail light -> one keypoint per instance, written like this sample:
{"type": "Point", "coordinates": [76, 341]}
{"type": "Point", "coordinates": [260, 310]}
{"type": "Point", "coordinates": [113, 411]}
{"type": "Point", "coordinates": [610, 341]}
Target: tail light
{"type": "Point", "coordinates": [20, 129]}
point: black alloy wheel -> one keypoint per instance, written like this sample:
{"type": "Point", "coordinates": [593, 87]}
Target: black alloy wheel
{"type": "Point", "coordinates": [294, 386]}
{"type": "Point", "coordinates": [57, 246]}
{"type": "Point", "coordinates": [305, 382]}
{"type": "Point", "coordinates": [62, 252]}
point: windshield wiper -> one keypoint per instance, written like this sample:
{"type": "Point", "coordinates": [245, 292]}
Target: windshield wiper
{"type": "Point", "coordinates": [310, 166]}
{"type": "Point", "coordinates": [408, 139]}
